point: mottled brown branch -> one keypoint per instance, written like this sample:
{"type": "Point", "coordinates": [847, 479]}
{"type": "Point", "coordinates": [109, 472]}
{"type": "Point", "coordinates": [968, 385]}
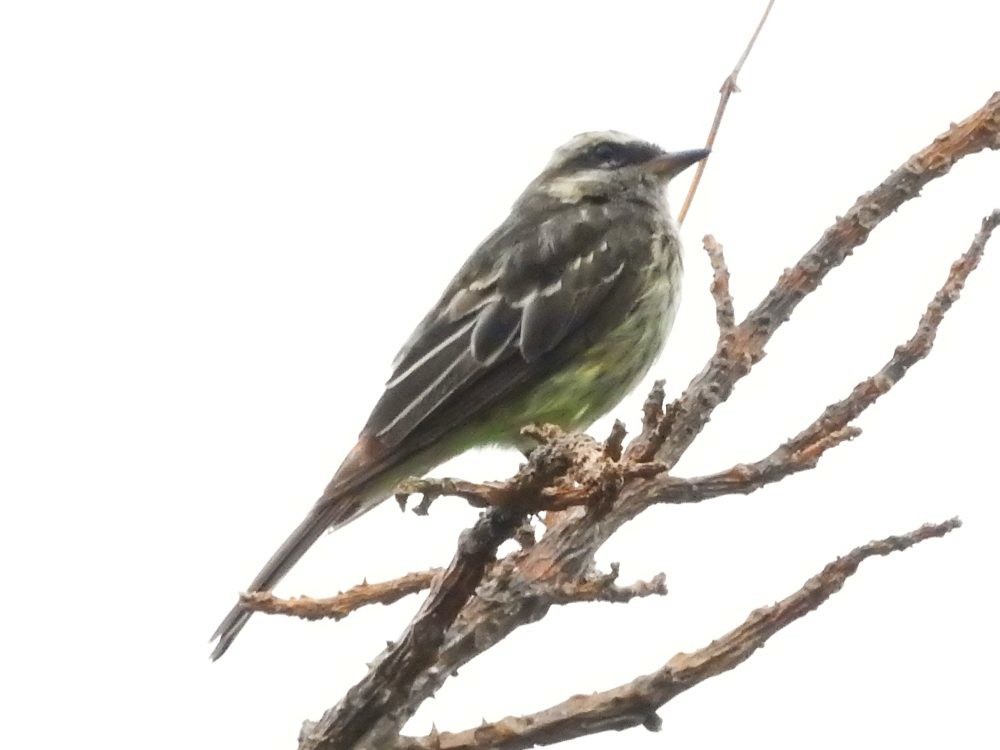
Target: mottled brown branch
{"type": "Point", "coordinates": [738, 353]}
{"type": "Point", "coordinates": [613, 445]}
{"type": "Point", "coordinates": [390, 677]}
{"type": "Point", "coordinates": [340, 606]}
{"type": "Point", "coordinates": [654, 427]}
{"type": "Point", "coordinates": [594, 476]}
{"type": "Point", "coordinates": [743, 479]}
{"type": "Point", "coordinates": [727, 89]}
{"type": "Point", "coordinates": [636, 703]}
{"type": "Point", "coordinates": [725, 314]}
{"type": "Point", "coordinates": [604, 588]}
{"type": "Point", "coordinates": [832, 427]}
{"type": "Point", "coordinates": [865, 393]}
{"type": "Point", "coordinates": [385, 689]}
{"type": "Point", "coordinates": [477, 494]}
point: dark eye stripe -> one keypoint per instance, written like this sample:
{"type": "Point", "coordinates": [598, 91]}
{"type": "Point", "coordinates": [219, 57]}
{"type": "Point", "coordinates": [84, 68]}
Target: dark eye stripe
{"type": "Point", "coordinates": [609, 154]}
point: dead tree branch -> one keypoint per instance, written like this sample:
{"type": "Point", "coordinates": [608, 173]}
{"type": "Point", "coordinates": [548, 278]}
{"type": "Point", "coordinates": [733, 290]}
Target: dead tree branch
{"type": "Point", "coordinates": [738, 352]}
{"type": "Point", "coordinates": [590, 489]}
{"type": "Point", "coordinates": [725, 315]}
{"type": "Point", "coordinates": [566, 551]}
{"type": "Point", "coordinates": [340, 606]}
{"type": "Point", "coordinates": [386, 686]}
{"type": "Point", "coordinates": [635, 703]}
{"type": "Point", "coordinates": [605, 588]}
{"type": "Point", "coordinates": [865, 393]}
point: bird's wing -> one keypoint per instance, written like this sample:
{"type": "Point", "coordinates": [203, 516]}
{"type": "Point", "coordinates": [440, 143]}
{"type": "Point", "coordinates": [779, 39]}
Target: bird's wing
{"type": "Point", "coordinates": [526, 290]}
{"type": "Point", "coordinates": [530, 296]}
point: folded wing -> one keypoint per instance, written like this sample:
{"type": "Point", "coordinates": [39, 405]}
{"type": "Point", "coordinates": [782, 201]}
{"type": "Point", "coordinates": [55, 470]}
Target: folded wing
{"type": "Point", "coordinates": [527, 289]}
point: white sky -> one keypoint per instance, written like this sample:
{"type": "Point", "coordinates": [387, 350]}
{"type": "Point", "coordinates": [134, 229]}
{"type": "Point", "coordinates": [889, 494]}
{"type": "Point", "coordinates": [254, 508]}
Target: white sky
{"type": "Point", "coordinates": [219, 220]}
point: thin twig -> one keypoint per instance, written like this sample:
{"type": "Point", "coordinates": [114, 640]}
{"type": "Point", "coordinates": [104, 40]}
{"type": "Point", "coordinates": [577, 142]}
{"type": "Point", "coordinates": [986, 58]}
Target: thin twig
{"type": "Point", "coordinates": [635, 703]}
{"type": "Point", "coordinates": [906, 355]}
{"type": "Point", "coordinates": [728, 88]}
{"type": "Point", "coordinates": [340, 606]}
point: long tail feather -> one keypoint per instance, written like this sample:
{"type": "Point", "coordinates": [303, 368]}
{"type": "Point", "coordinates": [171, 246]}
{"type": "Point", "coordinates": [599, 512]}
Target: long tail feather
{"type": "Point", "coordinates": [325, 514]}
{"type": "Point", "coordinates": [344, 500]}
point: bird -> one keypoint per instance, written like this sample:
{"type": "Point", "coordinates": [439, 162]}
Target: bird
{"type": "Point", "coordinates": [554, 318]}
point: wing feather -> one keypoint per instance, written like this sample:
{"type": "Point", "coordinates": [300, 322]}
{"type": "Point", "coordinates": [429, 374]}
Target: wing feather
{"type": "Point", "coordinates": [520, 297]}
{"type": "Point", "coordinates": [495, 329]}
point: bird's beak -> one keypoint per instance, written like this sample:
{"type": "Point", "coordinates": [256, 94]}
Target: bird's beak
{"type": "Point", "coordinates": [670, 165]}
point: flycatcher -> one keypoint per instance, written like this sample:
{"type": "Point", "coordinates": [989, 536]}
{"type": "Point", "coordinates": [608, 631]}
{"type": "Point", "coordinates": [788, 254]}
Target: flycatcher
{"type": "Point", "coordinates": [554, 318]}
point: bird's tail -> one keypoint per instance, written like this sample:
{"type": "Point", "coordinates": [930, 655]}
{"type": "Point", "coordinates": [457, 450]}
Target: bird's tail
{"type": "Point", "coordinates": [328, 512]}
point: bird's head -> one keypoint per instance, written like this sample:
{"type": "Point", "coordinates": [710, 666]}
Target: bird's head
{"type": "Point", "coordinates": [605, 164]}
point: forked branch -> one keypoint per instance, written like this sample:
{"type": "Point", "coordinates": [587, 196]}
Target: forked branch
{"type": "Point", "coordinates": [635, 703]}
{"type": "Point", "coordinates": [597, 487]}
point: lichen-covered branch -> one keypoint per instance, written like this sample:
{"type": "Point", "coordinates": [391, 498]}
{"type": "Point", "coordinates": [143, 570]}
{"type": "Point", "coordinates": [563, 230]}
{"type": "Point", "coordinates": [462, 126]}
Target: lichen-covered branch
{"type": "Point", "coordinates": [635, 703]}
{"type": "Point", "coordinates": [340, 606]}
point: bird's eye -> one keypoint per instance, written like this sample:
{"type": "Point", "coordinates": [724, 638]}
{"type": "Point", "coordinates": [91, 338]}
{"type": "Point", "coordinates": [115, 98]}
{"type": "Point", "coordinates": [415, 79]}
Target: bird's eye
{"type": "Point", "coordinates": [604, 152]}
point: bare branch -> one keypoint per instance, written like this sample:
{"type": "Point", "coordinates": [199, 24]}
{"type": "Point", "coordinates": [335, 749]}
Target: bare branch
{"type": "Point", "coordinates": [477, 494]}
{"type": "Point", "coordinates": [604, 588]}
{"type": "Point", "coordinates": [744, 479]}
{"type": "Point", "coordinates": [384, 690]}
{"type": "Point", "coordinates": [725, 315]}
{"type": "Point", "coordinates": [745, 347]}
{"type": "Point", "coordinates": [832, 427]}
{"type": "Point", "coordinates": [613, 444]}
{"type": "Point", "coordinates": [454, 626]}
{"type": "Point", "coordinates": [919, 346]}
{"type": "Point", "coordinates": [728, 88]}
{"type": "Point", "coordinates": [340, 606]}
{"type": "Point", "coordinates": [635, 703]}
{"type": "Point", "coordinates": [567, 548]}
{"type": "Point", "coordinates": [388, 680]}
